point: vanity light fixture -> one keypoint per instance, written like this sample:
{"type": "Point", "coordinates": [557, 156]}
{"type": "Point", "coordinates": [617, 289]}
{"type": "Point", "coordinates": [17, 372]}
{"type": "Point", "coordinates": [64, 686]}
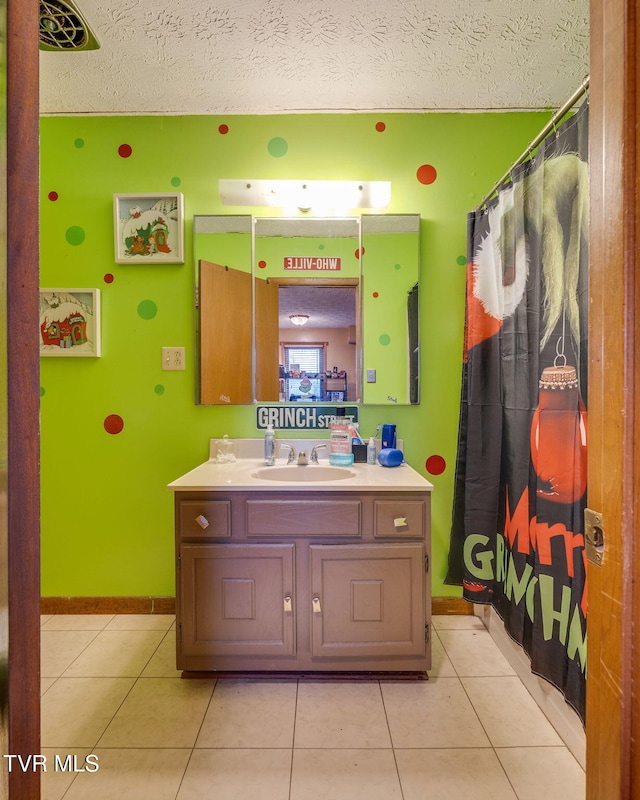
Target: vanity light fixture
{"type": "Point", "coordinates": [305, 195]}
{"type": "Point", "coordinates": [299, 319]}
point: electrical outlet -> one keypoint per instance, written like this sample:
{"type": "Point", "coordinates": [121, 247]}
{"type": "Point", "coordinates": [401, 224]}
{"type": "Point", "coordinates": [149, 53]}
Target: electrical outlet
{"type": "Point", "coordinates": [173, 358]}
{"type": "Point", "coordinates": [371, 376]}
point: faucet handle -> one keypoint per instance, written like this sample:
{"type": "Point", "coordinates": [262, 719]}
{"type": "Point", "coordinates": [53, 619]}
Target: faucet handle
{"type": "Point", "coordinates": [314, 452]}
{"type": "Point", "coordinates": [292, 452]}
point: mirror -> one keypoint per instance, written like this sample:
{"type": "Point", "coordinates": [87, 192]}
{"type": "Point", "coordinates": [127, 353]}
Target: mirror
{"type": "Point", "coordinates": [307, 271]}
{"type": "Point", "coordinates": [390, 309]}
{"type": "Point", "coordinates": [352, 283]}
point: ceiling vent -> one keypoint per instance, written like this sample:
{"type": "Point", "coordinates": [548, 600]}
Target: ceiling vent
{"type": "Point", "coordinates": [63, 28]}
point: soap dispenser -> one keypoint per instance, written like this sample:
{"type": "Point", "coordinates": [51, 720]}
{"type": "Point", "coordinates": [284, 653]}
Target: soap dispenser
{"type": "Point", "coordinates": [371, 451]}
{"type": "Point", "coordinates": [269, 446]}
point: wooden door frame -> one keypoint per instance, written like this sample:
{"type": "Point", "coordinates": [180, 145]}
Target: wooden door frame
{"type": "Point", "coordinates": [23, 393]}
{"type": "Point", "coordinates": [613, 657]}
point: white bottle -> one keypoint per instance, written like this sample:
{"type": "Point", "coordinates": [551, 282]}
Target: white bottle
{"type": "Point", "coordinates": [371, 451]}
{"type": "Point", "coordinates": [269, 446]}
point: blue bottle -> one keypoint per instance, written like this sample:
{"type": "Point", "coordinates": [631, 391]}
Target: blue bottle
{"type": "Point", "coordinates": [388, 436]}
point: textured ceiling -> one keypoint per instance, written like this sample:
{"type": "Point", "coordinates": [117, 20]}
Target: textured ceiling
{"type": "Point", "coordinates": [277, 56]}
{"type": "Point", "coordinates": [327, 307]}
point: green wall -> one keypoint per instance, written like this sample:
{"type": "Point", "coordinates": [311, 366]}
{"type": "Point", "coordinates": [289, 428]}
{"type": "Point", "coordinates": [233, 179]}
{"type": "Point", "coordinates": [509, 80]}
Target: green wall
{"type": "Point", "coordinates": [107, 517]}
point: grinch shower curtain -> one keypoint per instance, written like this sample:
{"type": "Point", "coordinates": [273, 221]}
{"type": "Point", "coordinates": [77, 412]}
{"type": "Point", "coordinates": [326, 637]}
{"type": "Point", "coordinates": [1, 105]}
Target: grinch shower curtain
{"type": "Point", "coordinates": [517, 538]}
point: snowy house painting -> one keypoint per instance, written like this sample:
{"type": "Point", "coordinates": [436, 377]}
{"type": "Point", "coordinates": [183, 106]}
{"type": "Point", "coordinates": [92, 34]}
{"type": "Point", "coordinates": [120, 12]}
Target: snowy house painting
{"type": "Point", "coordinates": [148, 228]}
{"type": "Point", "coordinates": [69, 322]}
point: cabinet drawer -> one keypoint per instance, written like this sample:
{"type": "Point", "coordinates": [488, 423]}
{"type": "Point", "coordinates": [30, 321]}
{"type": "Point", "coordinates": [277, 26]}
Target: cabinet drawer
{"type": "Point", "coordinates": [308, 518]}
{"type": "Point", "coordinates": [395, 519]}
{"type": "Point", "coordinates": [204, 518]}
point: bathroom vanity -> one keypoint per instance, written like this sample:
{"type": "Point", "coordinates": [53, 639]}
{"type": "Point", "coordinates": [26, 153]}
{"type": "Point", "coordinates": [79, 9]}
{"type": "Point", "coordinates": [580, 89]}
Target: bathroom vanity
{"type": "Point", "coordinates": [302, 568]}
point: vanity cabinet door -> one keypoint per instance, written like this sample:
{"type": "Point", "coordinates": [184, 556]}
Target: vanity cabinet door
{"type": "Point", "coordinates": [367, 600]}
{"type": "Point", "coordinates": [237, 599]}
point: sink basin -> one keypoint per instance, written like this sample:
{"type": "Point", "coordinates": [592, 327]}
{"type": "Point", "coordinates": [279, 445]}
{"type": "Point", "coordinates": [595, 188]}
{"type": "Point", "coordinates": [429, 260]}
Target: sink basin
{"type": "Point", "coordinates": [306, 474]}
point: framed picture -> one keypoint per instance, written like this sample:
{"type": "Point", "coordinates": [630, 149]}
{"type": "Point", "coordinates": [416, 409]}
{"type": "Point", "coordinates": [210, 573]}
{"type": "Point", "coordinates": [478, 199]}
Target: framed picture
{"type": "Point", "coordinates": [69, 322]}
{"type": "Point", "coordinates": [149, 228]}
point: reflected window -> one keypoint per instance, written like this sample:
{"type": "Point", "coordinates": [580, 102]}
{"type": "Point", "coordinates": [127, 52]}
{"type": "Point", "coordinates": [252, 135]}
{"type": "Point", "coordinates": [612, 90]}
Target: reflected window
{"type": "Point", "coordinates": [303, 372]}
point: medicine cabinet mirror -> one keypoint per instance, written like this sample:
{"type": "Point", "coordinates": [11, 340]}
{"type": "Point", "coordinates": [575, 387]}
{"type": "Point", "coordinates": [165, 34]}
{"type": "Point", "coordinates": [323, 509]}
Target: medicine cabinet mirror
{"type": "Point", "coordinates": [307, 310]}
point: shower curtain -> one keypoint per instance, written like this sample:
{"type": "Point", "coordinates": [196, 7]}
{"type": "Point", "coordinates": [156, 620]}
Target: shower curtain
{"type": "Point", "coordinates": [517, 537]}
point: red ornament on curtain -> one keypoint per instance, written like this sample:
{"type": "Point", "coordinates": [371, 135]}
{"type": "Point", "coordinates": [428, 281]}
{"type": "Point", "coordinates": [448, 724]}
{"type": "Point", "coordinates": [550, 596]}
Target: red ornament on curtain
{"type": "Point", "coordinates": [559, 436]}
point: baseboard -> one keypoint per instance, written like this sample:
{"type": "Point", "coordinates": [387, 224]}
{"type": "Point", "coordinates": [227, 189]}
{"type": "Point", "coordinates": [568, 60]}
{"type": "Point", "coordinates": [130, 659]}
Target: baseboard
{"type": "Point", "coordinates": [167, 605]}
{"type": "Point", "coordinates": [451, 605]}
{"type": "Point", "coordinates": [107, 605]}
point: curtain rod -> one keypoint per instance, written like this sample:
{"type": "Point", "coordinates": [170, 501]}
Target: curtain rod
{"type": "Point", "coordinates": [584, 86]}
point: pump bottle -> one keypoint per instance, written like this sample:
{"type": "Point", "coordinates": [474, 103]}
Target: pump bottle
{"type": "Point", "coordinates": [269, 446]}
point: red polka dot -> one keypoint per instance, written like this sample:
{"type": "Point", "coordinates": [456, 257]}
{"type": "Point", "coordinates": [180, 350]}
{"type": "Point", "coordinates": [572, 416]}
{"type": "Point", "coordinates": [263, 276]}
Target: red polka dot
{"type": "Point", "coordinates": [108, 278]}
{"type": "Point", "coordinates": [426, 174]}
{"type": "Point", "coordinates": [262, 264]}
{"type": "Point", "coordinates": [375, 294]}
{"type": "Point", "coordinates": [125, 150]}
{"type": "Point", "coordinates": [435, 465]}
{"type": "Point", "coordinates": [113, 423]}
{"type": "Point", "coordinates": [53, 196]}
{"type": "Point", "coordinates": [359, 252]}
{"type": "Point", "coordinates": [380, 127]}
{"type": "Point", "coordinates": [223, 129]}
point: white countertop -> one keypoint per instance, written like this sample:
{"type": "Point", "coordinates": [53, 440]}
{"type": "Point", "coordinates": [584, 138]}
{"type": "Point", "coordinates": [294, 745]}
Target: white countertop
{"type": "Point", "coordinates": [241, 476]}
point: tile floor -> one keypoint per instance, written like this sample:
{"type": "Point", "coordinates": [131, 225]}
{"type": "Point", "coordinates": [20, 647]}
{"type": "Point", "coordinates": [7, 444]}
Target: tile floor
{"type": "Point", "coordinates": [111, 691]}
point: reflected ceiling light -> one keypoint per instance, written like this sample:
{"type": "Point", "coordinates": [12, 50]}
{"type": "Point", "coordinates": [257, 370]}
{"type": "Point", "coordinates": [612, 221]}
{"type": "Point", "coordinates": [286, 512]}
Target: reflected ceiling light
{"type": "Point", "coordinates": [299, 319]}
{"type": "Point", "coordinates": [305, 195]}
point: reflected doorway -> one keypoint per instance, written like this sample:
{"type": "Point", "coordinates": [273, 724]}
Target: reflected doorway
{"type": "Point", "coordinates": [318, 342]}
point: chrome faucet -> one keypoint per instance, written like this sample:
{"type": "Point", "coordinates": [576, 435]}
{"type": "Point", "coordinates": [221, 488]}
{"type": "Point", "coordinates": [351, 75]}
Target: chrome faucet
{"type": "Point", "coordinates": [314, 452]}
{"type": "Point", "coordinates": [302, 458]}
{"type": "Point", "coordinates": [292, 452]}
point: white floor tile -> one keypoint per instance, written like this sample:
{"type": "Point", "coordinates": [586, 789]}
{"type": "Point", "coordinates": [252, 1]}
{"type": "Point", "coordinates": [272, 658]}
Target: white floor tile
{"type": "Point", "coordinates": [141, 622]}
{"type": "Point", "coordinates": [456, 774]}
{"type": "Point", "coordinates": [344, 775]}
{"type": "Point", "coordinates": [60, 775]}
{"type": "Point", "coordinates": [110, 687]}
{"type": "Point", "coordinates": [76, 711]}
{"type": "Point", "coordinates": [474, 653]}
{"type": "Point", "coordinates": [59, 649]}
{"type": "Point", "coordinates": [237, 775]}
{"type": "Point", "coordinates": [115, 653]}
{"type": "Point", "coordinates": [436, 713]}
{"type": "Point", "coordinates": [244, 713]}
{"type": "Point", "coordinates": [162, 663]}
{"type": "Point", "coordinates": [132, 775]}
{"type": "Point", "coordinates": [509, 714]}
{"type": "Point", "coordinates": [549, 772]}
{"type": "Point", "coordinates": [454, 622]}
{"type": "Point", "coordinates": [76, 622]}
{"type": "Point", "coordinates": [441, 666]}
{"type": "Point", "coordinates": [349, 714]}
{"type": "Point", "coordinates": [160, 712]}
{"type": "Point", "coordinates": [45, 683]}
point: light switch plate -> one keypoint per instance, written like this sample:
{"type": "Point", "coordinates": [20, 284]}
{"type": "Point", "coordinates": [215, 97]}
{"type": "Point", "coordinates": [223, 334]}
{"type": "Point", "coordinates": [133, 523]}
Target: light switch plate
{"type": "Point", "coordinates": [173, 358]}
{"type": "Point", "coordinates": [371, 376]}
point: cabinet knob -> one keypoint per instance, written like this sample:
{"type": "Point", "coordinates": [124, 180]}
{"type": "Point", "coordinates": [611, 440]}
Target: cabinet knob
{"type": "Point", "coordinates": [317, 609]}
{"type": "Point", "coordinates": [287, 604]}
{"type": "Point", "coordinates": [202, 521]}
